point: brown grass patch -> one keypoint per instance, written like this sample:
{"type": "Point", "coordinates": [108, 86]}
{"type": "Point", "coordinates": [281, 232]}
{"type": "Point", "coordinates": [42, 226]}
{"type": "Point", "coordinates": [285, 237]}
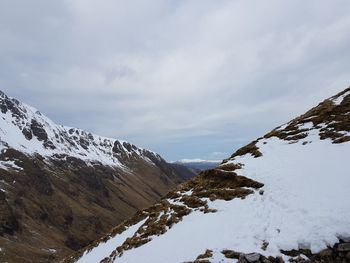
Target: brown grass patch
{"type": "Point", "coordinates": [249, 148]}
{"type": "Point", "coordinates": [333, 119]}
{"type": "Point", "coordinates": [207, 254]}
{"type": "Point", "coordinates": [231, 254]}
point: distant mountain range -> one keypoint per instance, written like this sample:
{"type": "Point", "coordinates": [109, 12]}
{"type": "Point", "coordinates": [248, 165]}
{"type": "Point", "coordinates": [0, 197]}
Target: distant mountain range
{"type": "Point", "coordinates": [63, 187]}
{"type": "Point", "coordinates": [198, 165]}
{"type": "Point", "coordinates": [282, 197]}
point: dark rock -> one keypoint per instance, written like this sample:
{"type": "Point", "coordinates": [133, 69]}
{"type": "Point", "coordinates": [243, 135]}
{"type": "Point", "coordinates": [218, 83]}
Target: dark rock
{"type": "Point", "coordinates": [127, 146]}
{"type": "Point", "coordinates": [38, 130]}
{"type": "Point", "coordinates": [49, 145]}
{"type": "Point", "coordinates": [2, 195]}
{"type": "Point", "coordinates": [242, 259]}
{"type": "Point", "coordinates": [345, 239]}
{"type": "Point", "coordinates": [12, 106]}
{"type": "Point", "coordinates": [68, 219]}
{"type": "Point", "coordinates": [116, 147]}
{"type": "Point", "coordinates": [3, 108]}
{"type": "Point", "coordinates": [264, 245]}
{"type": "Point", "coordinates": [84, 143]}
{"type": "Point", "coordinates": [27, 133]}
{"type": "Point", "coordinates": [344, 247]}
{"type": "Point", "coordinates": [280, 260]}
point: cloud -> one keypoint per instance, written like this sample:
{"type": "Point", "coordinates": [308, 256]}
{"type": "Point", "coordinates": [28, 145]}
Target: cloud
{"type": "Point", "coordinates": [185, 78]}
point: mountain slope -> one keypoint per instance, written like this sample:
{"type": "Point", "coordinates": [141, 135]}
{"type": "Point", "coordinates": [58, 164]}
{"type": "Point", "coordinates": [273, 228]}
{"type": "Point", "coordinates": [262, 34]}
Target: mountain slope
{"type": "Point", "coordinates": [63, 187]}
{"type": "Point", "coordinates": [283, 197]}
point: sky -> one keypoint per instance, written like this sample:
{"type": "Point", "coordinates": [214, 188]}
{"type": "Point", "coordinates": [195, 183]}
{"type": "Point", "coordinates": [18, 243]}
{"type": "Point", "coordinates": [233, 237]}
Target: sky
{"type": "Point", "coordinates": [187, 79]}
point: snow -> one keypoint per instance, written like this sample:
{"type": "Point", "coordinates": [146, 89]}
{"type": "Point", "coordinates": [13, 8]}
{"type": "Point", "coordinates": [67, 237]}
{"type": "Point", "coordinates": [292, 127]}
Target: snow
{"type": "Point", "coordinates": [9, 164]}
{"type": "Point", "coordinates": [219, 257]}
{"type": "Point", "coordinates": [105, 249]}
{"type": "Point", "coordinates": [339, 99]}
{"type": "Point", "coordinates": [304, 205]}
{"type": "Point", "coordinates": [99, 149]}
{"type": "Point", "coordinates": [306, 125]}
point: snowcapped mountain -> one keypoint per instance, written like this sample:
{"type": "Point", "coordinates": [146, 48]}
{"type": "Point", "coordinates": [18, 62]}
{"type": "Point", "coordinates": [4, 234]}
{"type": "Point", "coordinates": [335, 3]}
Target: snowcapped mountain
{"type": "Point", "coordinates": [283, 197]}
{"type": "Point", "coordinates": [25, 129]}
{"type": "Point", "coordinates": [62, 187]}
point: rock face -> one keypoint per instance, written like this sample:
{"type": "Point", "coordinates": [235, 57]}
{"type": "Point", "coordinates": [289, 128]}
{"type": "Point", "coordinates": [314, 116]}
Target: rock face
{"type": "Point", "coordinates": [61, 188]}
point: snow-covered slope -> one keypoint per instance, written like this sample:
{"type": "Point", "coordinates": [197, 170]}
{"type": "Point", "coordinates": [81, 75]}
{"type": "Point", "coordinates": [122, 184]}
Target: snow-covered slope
{"type": "Point", "coordinates": [25, 129]}
{"type": "Point", "coordinates": [285, 196]}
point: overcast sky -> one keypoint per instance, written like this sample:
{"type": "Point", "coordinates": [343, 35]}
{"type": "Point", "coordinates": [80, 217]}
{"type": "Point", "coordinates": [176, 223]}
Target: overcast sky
{"type": "Point", "coordinates": [188, 79]}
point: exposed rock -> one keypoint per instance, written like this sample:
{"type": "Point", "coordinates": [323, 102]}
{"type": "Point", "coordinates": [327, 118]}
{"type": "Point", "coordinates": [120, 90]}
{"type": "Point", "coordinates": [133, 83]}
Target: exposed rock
{"type": "Point", "coordinates": [127, 146]}
{"type": "Point", "coordinates": [38, 130]}
{"type": "Point", "coordinates": [117, 147]}
{"type": "Point", "coordinates": [242, 259]}
{"type": "Point", "coordinates": [27, 133]}
{"type": "Point", "coordinates": [264, 245]}
{"type": "Point", "coordinates": [49, 145]}
{"type": "Point", "coordinates": [343, 247]}
{"type": "Point", "coordinates": [252, 257]}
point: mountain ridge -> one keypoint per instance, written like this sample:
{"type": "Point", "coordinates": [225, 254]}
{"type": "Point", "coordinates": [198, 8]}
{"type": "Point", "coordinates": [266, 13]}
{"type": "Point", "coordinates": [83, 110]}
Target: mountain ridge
{"type": "Point", "coordinates": [62, 187]}
{"type": "Point", "coordinates": [241, 210]}
{"type": "Point", "coordinates": [38, 134]}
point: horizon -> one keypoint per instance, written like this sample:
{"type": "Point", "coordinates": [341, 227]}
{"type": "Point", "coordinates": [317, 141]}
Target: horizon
{"type": "Point", "coordinates": [208, 79]}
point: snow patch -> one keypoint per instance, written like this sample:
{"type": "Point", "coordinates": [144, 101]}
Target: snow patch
{"type": "Point", "coordinates": [105, 249]}
{"type": "Point", "coordinates": [339, 99]}
{"type": "Point", "coordinates": [10, 164]}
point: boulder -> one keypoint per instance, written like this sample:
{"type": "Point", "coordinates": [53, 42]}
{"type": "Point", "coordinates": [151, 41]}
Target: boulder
{"type": "Point", "coordinates": [252, 257]}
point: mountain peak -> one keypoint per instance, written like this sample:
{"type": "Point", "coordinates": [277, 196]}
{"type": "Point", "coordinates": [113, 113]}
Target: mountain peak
{"type": "Point", "coordinates": [25, 129]}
